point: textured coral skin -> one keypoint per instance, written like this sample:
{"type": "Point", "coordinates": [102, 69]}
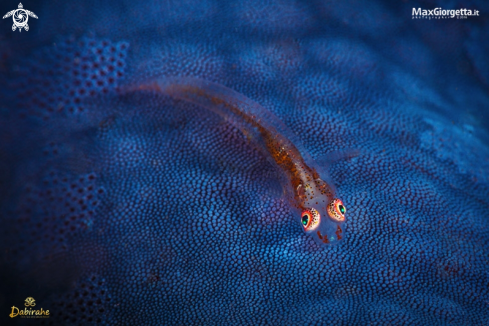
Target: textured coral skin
{"type": "Point", "coordinates": [144, 210]}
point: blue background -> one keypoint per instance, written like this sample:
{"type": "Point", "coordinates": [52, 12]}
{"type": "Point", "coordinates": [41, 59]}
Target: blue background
{"type": "Point", "coordinates": [135, 209]}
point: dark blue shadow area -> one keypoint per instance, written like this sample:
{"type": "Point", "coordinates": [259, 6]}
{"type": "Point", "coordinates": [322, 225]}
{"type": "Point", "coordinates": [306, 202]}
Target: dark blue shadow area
{"type": "Point", "coordinates": [136, 209]}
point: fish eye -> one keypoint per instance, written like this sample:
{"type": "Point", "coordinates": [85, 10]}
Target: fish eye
{"type": "Point", "coordinates": [336, 210]}
{"type": "Point", "coordinates": [306, 218]}
{"type": "Point", "coordinates": [341, 209]}
{"type": "Point", "coordinates": [310, 219]}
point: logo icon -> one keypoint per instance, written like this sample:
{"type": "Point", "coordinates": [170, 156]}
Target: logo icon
{"type": "Point", "coordinates": [30, 302]}
{"type": "Point", "coordinates": [20, 17]}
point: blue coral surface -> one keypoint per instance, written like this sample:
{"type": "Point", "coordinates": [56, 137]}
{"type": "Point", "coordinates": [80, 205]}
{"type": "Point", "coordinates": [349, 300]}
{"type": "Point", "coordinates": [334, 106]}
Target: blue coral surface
{"type": "Point", "coordinates": [131, 208]}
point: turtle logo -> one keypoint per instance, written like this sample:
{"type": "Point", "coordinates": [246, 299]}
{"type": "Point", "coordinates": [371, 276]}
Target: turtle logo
{"type": "Point", "coordinates": [20, 17]}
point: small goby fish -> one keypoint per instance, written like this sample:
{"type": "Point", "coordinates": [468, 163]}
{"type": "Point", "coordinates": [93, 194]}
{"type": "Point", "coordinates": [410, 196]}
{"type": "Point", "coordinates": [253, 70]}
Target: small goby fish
{"type": "Point", "coordinates": [312, 196]}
